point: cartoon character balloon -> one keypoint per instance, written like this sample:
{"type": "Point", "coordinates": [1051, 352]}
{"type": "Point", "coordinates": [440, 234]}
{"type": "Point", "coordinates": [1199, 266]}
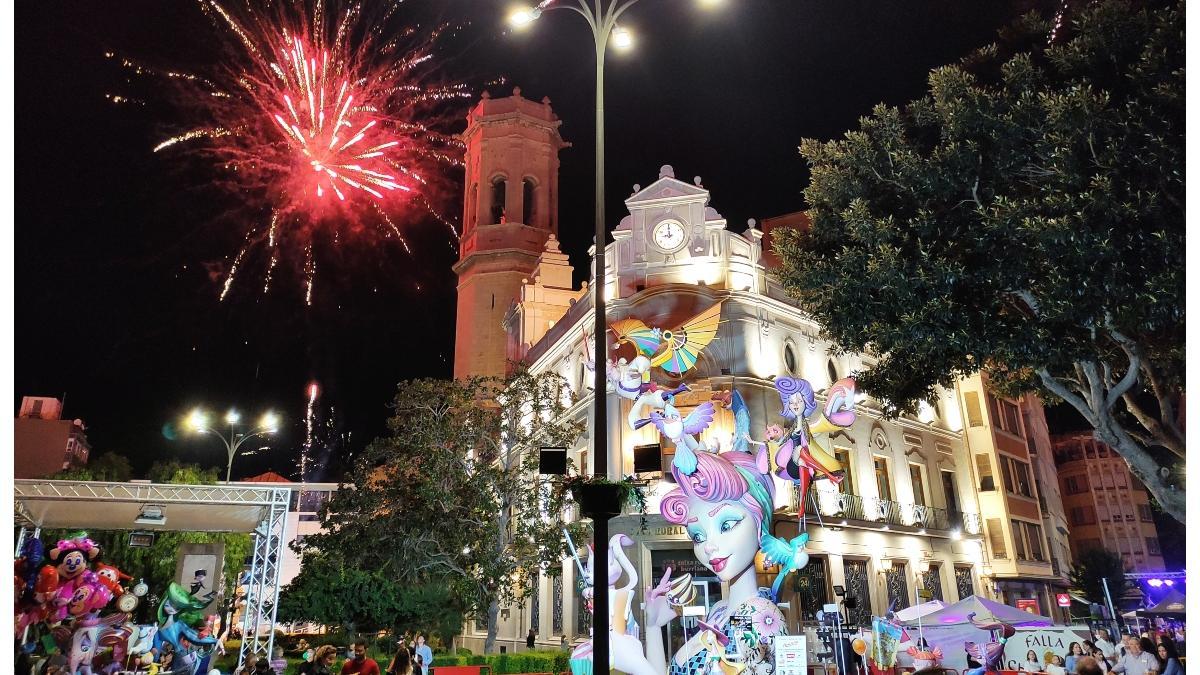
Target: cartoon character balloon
{"type": "Point", "coordinates": [177, 614]}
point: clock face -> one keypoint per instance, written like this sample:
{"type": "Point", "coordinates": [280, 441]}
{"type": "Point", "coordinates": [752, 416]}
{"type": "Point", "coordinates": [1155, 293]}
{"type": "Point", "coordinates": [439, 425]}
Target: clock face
{"type": "Point", "coordinates": [669, 235]}
{"type": "Point", "coordinates": [140, 589]}
{"type": "Point", "coordinates": [127, 602]}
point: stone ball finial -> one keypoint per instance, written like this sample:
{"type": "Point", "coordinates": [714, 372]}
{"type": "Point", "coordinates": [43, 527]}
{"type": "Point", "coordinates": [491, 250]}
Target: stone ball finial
{"type": "Point", "coordinates": [516, 91]}
{"type": "Point", "coordinates": [485, 95]}
{"type": "Point", "coordinates": [751, 223]}
{"type": "Point", "coordinates": [545, 100]}
{"type": "Point", "coordinates": [637, 187]}
{"type": "Point", "coordinates": [696, 180]}
{"type": "Point", "coordinates": [666, 171]}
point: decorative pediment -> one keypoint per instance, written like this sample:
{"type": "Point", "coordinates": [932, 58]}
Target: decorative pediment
{"type": "Point", "coordinates": [666, 189]}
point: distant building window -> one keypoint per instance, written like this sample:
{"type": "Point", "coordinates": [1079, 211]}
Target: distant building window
{"type": "Point", "coordinates": [974, 411]}
{"type": "Point", "coordinates": [1152, 546]}
{"type": "Point", "coordinates": [789, 358]}
{"type": "Point", "coordinates": [1018, 540]}
{"type": "Point", "coordinates": [983, 463]}
{"type": "Point", "coordinates": [1006, 416]}
{"type": "Point", "coordinates": [883, 481]}
{"type": "Point", "coordinates": [1144, 512]}
{"type": "Point", "coordinates": [499, 188]}
{"type": "Point", "coordinates": [527, 201]}
{"type": "Point", "coordinates": [1016, 476]}
{"type": "Point", "coordinates": [1076, 484]}
{"type": "Point", "coordinates": [918, 484]}
{"type": "Point", "coordinates": [995, 535]}
{"type": "Point", "coordinates": [1083, 515]}
{"type": "Point", "coordinates": [844, 458]}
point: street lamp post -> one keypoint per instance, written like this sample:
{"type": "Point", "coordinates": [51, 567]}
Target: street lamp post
{"type": "Point", "coordinates": [197, 421]}
{"type": "Point", "coordinates": [602, 19]}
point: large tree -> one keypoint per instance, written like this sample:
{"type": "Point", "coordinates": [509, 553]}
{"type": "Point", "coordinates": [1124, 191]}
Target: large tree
{"type": "Point", "coordinates": [1025, 218]}
{"type": "Point", "coordinates": [1091, 568]}
{"type": "Point", "coordinates": [453, 491]}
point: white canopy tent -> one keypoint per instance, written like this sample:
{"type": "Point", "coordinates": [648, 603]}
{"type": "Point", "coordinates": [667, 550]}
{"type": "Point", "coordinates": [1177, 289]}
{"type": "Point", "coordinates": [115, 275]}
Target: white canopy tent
{"type": "Point", "coordinates": [256, 509]}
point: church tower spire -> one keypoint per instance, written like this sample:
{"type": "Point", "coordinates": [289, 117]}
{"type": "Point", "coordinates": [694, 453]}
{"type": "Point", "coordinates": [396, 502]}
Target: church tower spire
{"type": "Point", "coordinates": [510, 209]}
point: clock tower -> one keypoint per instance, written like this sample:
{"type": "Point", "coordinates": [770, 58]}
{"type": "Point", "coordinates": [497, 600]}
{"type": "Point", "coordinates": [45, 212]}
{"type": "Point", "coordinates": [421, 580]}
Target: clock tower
{"type": "Point", "coordinates": [510, 210]}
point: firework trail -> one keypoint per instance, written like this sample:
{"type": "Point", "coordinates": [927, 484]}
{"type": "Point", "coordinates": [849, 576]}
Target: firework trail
{"type": "Point", "coordinates": [309, 414]}
{"type": "Point", "coordinates": [322, 118]}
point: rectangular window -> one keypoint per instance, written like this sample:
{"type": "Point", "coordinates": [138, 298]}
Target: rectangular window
{"type": "Point", "coordinates": [995, 534]}
{"type": "Point", "coordinates": [1083, 515]}
{"type": "Point", "coordinates": [951, 490]}
{"type": "Point", "coordinates": [1033, 533]}
{"type": "Point", "coordinates": [883, 480]}
{"type": "Point", "coordinates": [1144, 512]}
{"type": "Point", "coordinates": [918, 483]}
{"type": "Point", "coordinates": [1018, 540]}
{"type": "Point", "coordinates": [1152, 546]}
{"type": "Point", "coordinates": [1122, 479]}
{"type": "Point", "coordinates": [843, 457]}
{"type": "Point", "coordinates": [974, 412]}
{"type": "Point", "coordinates": [983, 464]}
{"type": "Point", "coordinates": [1021, 476]}
{"type": "Point", "coordinates": [1076, 484]}
{"type": "Point", "coordinates": [1006, 469]}
{"type": "Point", "coordinates": [1102, 513]}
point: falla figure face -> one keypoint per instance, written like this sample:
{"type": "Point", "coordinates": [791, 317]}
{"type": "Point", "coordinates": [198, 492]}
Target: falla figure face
{"type": "Point", "coordinates": [724, 536]}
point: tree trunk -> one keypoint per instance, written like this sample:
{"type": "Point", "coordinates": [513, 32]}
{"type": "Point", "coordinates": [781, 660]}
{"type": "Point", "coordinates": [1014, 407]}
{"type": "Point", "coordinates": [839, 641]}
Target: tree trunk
{"type": "Point", "coordinates": [493, 626]}
{"type": "Point", "coordinates": [1172, 499]}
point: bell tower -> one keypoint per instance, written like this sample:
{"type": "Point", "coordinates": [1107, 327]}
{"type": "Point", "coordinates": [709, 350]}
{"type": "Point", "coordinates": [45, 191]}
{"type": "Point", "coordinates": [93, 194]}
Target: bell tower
{"type": "Point", "coordinates": [510, 209]}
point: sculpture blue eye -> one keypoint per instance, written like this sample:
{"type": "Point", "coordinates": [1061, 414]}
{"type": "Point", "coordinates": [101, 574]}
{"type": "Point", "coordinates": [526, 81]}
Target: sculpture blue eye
{"type": "Point", "coordinates": [697, 536]}
{"type": "Point", "coordinates": [729, 524]}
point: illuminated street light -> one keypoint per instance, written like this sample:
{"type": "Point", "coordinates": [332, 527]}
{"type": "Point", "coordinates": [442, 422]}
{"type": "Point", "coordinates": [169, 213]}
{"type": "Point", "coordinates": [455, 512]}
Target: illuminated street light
{"type": "Point", "coordinates": [198, 422]}
{"type": "Point", "coordinates": [601, 17]}
{"type": "Point", "coordinates": [622, 38]}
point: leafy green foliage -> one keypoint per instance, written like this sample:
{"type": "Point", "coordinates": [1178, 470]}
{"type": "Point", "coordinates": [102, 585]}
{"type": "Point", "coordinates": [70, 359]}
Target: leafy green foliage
{"type": "Point", "coordinates": [329, 592]}
{"type": "Point", "coordinates": [180, 473]}
{"type": "Point", "coordinates": [1025, 218]}
{"type": "Point", "coordinates": [109, 467]}
{"type": "Point", "coordinates": [1094, 565]}
{"type": "Point", "coordinates": [453, 492]}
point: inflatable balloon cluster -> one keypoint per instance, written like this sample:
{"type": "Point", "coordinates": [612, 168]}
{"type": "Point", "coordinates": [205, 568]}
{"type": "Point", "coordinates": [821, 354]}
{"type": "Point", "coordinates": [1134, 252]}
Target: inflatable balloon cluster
{"type": "Point", "coordinates": [64, 604]}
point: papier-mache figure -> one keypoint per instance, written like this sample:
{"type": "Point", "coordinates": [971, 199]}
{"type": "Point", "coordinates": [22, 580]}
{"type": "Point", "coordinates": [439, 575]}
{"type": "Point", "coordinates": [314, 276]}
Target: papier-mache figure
{"type": "Point", "coordinates": [990, 655]}
{"type": "Point", "coordinates": [799, 457]}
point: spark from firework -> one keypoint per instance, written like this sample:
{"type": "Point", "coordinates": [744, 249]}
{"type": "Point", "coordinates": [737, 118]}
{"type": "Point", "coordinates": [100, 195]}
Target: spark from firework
{"type": "Point", "coordinates": [309, 414]}
{"type": "Point", "coordinates": [324, 117]}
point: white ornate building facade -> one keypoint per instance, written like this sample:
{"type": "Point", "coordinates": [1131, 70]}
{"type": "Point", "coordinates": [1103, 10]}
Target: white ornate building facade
{"type": "Point", "coordinates": [907, 514]}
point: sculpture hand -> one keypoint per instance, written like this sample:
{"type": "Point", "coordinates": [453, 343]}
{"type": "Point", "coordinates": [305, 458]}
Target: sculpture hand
{"type": "Point", "coordinates": [659, 611]}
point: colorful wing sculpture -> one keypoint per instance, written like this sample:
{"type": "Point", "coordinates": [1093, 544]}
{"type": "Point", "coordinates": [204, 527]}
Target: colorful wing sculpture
{"type": "Point", "coordinates": [684, 344]}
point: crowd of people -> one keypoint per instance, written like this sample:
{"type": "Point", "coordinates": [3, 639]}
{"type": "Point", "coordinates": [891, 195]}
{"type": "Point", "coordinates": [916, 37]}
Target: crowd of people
{"type": "Point", "coordinates": [1136, 655]}
{"type": "Point", "coordinates": [414, 659]}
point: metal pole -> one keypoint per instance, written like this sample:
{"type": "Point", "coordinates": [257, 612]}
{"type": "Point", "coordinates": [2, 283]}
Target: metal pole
{"type": "Point", "coordinates": [600, 619]}
{"type": "Point", "coordinates": [1112, 612]}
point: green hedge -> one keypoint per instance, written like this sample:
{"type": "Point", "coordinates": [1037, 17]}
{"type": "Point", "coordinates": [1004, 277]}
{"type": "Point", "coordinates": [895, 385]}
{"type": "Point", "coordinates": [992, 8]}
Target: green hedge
{"type": "Point", "coordinates": [509, 664]}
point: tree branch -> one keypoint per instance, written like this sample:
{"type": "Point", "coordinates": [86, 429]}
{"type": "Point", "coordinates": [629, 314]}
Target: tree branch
{"type": "Point", "coordinates": [1058, 389]}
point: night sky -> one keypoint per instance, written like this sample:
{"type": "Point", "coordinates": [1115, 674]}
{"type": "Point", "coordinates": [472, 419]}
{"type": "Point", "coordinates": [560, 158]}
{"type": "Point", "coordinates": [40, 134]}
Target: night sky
{"type": "Point", "coordinates": [120, 252]}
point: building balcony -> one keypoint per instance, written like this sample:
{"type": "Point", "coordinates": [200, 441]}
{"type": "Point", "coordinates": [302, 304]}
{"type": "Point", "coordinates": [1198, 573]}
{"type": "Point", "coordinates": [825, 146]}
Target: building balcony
{"type": "Point", "coordinates": [839, 509]}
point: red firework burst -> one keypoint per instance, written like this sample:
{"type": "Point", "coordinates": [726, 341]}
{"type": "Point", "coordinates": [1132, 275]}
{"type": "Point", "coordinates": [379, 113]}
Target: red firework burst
{"type": "Point", "coordinates": [327, 115]}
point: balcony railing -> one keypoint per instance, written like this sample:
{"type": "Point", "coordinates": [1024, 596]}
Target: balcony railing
{"type": "Point", "coordinates": [837, 505]}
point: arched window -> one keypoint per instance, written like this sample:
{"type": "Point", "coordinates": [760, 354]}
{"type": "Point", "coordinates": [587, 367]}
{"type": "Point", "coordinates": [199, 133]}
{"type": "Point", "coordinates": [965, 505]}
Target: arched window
{"type": "Point", "coordinates": [499, 190]}
{"type": "Point", "coordinates": [527, 192]}
{"type": "Point", "coordinates": [473, 205]}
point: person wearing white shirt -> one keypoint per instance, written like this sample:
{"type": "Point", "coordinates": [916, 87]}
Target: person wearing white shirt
{"type": "Point", "coordinates": [1055, 666]}
{"type": "Point", "coordinates": [1136, 662]}
{"type": "Point", "coordinates": [1107, 648]}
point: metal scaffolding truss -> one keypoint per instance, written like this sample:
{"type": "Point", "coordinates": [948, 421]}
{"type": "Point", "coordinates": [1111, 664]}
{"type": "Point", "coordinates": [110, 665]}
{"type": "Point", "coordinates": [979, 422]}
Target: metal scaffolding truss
{"type": "Point", "coordinates": [259, 510]}
{"type": "Point", "coordinates": [262, 587]}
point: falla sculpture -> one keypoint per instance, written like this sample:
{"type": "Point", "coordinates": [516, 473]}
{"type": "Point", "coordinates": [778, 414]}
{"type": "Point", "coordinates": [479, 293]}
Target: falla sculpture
{"type": "Point", "coordinates": [723, 499]}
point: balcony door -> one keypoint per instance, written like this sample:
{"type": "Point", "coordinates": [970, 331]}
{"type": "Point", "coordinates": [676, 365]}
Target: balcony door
{"type": "Point", "coordinates": [883, 479]}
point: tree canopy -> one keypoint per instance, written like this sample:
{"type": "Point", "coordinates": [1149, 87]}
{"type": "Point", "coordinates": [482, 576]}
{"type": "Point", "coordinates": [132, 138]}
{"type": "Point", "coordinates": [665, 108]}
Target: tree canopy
{"type": "Point", "coordinates": [453, 492]}
{"type": "Point", "coordinates": [1094, 565]}
{"type": "Point", "coordinates": [1024, 219]}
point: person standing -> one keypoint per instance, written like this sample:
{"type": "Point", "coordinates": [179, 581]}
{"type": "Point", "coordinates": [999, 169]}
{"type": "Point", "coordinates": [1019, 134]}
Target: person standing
{"type": "Point", "coordinates": [321, 663]}
{"type": "Point", "coordinates": [360, 664]}
{"type": "Point", "coordinates": [1169, 658]}
{"type": "Point", "coordinates": [1054, 665]}
{"type": "Point", "coordinates": [1031, 662]}
{"type": "Point", "coordinates": [1107, 648]}
{"type": "Point", "coordinates": [402, 662]}
{"type": "Point", "coordinates": [1135, 661]}
{"type": "Point", "coordinates": [1074, 651]}
{"type": "Point", "coordinates": [424, 654]}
